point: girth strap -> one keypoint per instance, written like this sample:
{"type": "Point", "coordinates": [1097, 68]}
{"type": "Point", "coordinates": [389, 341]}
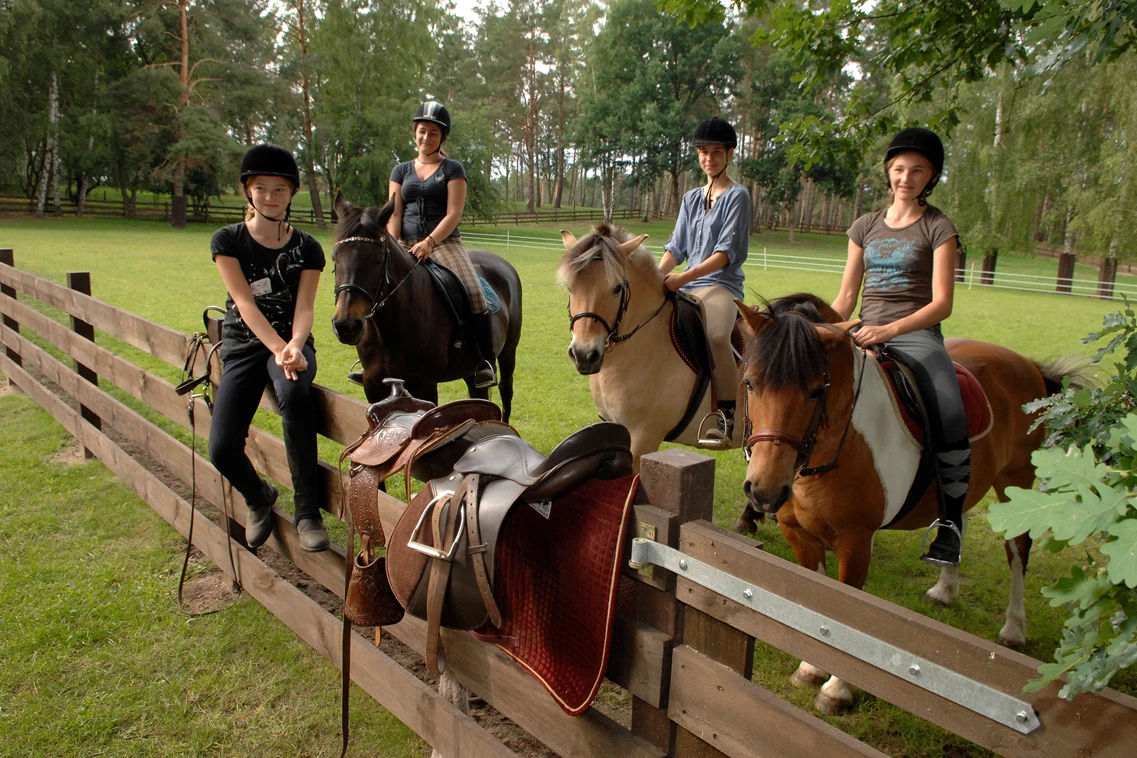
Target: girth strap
{"type": "Point", "coordinates": [444, 525]}
{"type": "Point", "coordinates": [477, 549]}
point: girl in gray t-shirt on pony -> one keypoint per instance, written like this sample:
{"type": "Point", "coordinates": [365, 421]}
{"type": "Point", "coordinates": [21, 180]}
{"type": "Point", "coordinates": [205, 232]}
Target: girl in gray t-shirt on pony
{"type": "Point", "coordinates": [905, 257]}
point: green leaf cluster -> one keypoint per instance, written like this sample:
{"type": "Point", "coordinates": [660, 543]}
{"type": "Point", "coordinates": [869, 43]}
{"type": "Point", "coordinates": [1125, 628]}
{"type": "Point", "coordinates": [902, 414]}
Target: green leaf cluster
{"type": "Point", "coordinates": [1088, 468]}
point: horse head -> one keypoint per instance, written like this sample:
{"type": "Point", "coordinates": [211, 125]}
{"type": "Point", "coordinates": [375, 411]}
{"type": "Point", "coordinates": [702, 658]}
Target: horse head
{"type": "Point", "coordinates": [597, 271]}
{"type": "Point", "coordinates": [362, 256]}
{"type": "Point", "coordinates": [797, 369]}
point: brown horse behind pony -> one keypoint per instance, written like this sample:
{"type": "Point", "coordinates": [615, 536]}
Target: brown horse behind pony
{"type": "Point", "coordinates": [830, 455]}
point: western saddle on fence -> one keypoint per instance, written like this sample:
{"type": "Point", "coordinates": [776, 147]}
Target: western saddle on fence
{"type": "Point", "coordinates": [522, 548]}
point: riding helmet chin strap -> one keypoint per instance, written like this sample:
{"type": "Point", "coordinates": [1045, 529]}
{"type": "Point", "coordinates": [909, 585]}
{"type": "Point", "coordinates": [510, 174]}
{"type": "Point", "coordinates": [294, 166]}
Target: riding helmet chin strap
{"type": "Point", "coordinates": [710, 185]}
{"type": "Point", "coordinates": [279, 221]}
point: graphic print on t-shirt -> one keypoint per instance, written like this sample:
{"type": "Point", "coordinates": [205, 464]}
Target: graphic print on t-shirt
{"type": "Point", "coordinates": [283, 272]}
{"type": "Point", "coordinates": [890, 263]}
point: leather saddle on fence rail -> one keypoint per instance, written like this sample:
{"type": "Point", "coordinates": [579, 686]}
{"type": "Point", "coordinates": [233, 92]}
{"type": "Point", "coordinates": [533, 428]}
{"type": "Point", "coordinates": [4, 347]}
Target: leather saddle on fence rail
{"type": "Point", "coordinates": [539, 581]}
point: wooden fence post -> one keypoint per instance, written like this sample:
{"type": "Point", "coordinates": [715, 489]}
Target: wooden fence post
{"type": "Point", "coordinates": [80, 281]}
{"type": "Point", "coordinates": [682, 483]}
{"type": "Point", "coordinates": [7, 258]}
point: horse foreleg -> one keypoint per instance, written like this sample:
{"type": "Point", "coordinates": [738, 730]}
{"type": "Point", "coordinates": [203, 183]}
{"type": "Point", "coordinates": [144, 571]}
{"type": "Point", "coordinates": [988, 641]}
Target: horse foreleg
{"type": "Point", "coordinates": [1013, 633]}
{"type": "Point", "coordinates": [748, 520]}
{"type": "Point", "coordinates": [946, 590]}
{"type": "Point", "coordinates": [810, 553]}
{"type": "Point", "coordinates": [853, 557]}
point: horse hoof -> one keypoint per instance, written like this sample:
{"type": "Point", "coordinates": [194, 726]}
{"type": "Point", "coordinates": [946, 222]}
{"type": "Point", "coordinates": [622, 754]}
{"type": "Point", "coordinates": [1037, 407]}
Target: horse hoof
{"type": "Point", "coordinates": [808, 678]}
{"type": "Point", "coordinates": [1016, 645]}
{"type": "Point", "coordinates": [832, 706]}
{"type": "Point", "coordinates": [745, 526]}
{"type": "Point", "coordinates": [937, 600]}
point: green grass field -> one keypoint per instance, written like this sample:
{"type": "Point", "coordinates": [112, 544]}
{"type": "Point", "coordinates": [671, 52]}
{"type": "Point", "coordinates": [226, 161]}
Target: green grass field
{"type": "Point", "coordinates": [82, 513]}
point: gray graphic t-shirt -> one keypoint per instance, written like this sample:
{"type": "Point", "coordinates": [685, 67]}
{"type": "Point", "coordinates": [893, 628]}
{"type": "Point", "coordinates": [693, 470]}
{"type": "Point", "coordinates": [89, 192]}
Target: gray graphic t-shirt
{"type": "Point", "coordinates": [898, 263]}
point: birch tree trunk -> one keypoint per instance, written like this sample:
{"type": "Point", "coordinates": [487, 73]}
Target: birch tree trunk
{"type": "Point", "coordinates": [82, 198]}
{"type": "Point", "coordinates": [51, 165]}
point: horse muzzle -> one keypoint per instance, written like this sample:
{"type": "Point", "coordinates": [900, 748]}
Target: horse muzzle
{"type": "Point", "coordinates": [587, 358]}
{"type": "Point", "coordinates": [765, 501]}
{"type": "Point", "coordinates": [349, 331]}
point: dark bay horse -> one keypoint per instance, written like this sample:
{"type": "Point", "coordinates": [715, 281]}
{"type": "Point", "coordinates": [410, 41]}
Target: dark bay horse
{"type": "Point", "coordinates": [389, 308]}
{"type": "Point", "coordinates": [831, 457]}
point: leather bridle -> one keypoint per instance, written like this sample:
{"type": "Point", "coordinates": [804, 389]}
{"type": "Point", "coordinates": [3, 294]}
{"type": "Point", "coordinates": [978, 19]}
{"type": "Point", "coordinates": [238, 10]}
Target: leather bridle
{"type": "Point", "coordinates": [804, 444]}
{"type": "Point", "coordinates": [376, 298]}
{"type": "Point", "coordinates": [614, 337]}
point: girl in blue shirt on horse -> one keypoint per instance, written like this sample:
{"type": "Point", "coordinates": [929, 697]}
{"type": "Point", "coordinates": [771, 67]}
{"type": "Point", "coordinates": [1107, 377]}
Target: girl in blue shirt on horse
{"type": "Point", "coordinates": [712, 236]}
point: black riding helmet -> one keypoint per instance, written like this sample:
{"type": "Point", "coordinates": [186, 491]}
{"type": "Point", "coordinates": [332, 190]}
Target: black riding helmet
{"type": "Point", "coordinates": [917, 139]}
{"type": "Point", "coordinates": [434, 112]}
{"type": "Point", "coordinates": [270, 160]}
{"type": "Point", "coordinates": [715, 131]}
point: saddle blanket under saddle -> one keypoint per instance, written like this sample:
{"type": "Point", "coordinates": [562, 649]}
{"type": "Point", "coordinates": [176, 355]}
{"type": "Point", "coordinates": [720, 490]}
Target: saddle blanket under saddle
{"type": "Point", "coordinates": [454, 293]}
{"type": "Point", "coordinates": [975, 403]}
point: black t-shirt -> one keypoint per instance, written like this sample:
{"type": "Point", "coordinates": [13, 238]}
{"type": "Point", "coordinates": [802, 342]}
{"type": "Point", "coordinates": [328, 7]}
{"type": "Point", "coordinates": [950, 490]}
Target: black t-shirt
{"type": "Point", "coordinates": [424, 201]}
{"type": "Point", "coordinates": [273, 276]}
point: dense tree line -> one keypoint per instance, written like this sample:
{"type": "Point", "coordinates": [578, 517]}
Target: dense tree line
{"type": "Point", "coordinates": [576, 102]}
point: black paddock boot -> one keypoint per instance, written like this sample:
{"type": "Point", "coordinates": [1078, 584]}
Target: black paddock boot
{"type": "Point", "coordinates": [258, 525]}
{"type": "Point", "coordinates": [955, 473]}
{"type": "Point", "coordinates": [482, 327]}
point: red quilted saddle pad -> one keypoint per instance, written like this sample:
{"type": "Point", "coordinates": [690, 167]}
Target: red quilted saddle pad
{"type": "Point", "coordinates": [974, 404]}
{"type": "Point", "coordinates": [556, 584]}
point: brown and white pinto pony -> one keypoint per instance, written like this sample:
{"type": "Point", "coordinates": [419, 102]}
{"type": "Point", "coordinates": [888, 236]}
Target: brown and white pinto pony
{"type": "Point", "coordinates": [801, 379]}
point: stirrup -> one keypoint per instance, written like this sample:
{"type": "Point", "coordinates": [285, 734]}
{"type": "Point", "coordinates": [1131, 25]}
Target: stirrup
{"type": "Point", "coordinates": [714, 437]}
{"type": "Point", "coordinates": [924, 556]}
{"type": "Point", "coordinates": [355, 377]}
{"type": "Point", "coordinates": [485, 376]}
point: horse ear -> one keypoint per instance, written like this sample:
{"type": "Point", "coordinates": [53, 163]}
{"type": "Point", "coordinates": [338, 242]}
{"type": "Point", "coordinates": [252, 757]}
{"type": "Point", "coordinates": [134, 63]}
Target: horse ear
{"type": "Point", "coordinates": [385, 214]}
{"type": "Point", "coordinates": [340, 203]}
{"type": "Point", "coordinates": [630, 246]}
{"type": "Point", "coordinates": [848, 325]}
{"type": "Point", "coordinates": [568, 239]}
{"type": "Point", "coordinates": [750, 316]}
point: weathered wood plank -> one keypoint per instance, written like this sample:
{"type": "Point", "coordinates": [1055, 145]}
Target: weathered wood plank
{"type": "Point", "coordinates": [342, 419]}
{"type": "Point", "coordinates": [1101, 724]}
{"type": "Point", "coordinates": [740, 718]}
{"type": "Point", "coordinates": [412, 702]}
{"type": "Point", "coordinates": [640, 660]}
{"type": "Point", "coordinates": [487, 671]}
{"type": "Point", "coordinates": [265, 450]}
{"type": "Point", "coordinates": [7, 259]}
{"type": "Point", "coordinates": [326, 568]}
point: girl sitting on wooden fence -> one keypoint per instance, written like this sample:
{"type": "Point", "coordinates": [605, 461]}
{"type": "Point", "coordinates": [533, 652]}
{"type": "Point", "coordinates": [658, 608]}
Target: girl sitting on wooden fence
{"type": "Point", "coordinates": [271, 271]}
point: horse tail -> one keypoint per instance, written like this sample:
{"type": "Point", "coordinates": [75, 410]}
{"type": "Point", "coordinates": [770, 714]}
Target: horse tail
{"type": "Point", "coordinates": [1079, 369]}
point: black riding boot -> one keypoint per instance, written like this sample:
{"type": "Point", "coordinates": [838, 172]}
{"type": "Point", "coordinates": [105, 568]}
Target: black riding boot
{"type": "Point", "coordinates": [955, 473]}
{"type": "Point", "coordinates": [482, 327]}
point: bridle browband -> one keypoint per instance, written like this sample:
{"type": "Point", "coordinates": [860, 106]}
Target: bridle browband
{"type": "Point", "coordinates": [378, 300]}
{"type": "Point", "coordinates": [613, 332]}
{"type": "Point", "coordinates": [804, 444]}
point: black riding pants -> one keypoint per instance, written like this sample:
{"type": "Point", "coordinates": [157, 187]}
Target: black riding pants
{"type": "Point", "coordinates": [925, 354]}
{"type": "Point", "coordinates": [242, 384]}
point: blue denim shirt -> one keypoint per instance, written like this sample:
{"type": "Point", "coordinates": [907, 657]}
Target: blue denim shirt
{"type": "Point", "coordinates": [724, 229]}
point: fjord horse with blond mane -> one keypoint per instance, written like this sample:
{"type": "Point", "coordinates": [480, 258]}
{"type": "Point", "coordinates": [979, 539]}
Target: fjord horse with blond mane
{"type": "Point", "coordinates": [620, 320]}
{"type": "Point", "coordinates": [830, 455]}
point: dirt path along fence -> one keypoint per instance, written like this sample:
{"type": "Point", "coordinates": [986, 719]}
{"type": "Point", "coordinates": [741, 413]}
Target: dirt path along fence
{"type": "Point", "coordinates": [683, 646]}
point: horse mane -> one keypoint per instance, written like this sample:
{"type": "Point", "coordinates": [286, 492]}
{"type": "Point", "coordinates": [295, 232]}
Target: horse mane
{"type": "Point", "coordinates": [603, 243]}
{"type": "Point", "coordinates": [787, 351]}
{"type": "Point", "coordinates": [364, 222]}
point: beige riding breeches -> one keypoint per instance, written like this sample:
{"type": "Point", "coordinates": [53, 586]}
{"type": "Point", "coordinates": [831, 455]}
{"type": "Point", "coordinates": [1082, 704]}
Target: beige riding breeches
{"type": "Point", "coordinates": [452, 254]}
{"type": "Point", "coordinates": [720, 312]}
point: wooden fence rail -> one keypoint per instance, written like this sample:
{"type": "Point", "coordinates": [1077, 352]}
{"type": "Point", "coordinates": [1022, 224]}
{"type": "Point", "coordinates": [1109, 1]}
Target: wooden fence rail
{"type": "Point", "coordinates": [683, 652]}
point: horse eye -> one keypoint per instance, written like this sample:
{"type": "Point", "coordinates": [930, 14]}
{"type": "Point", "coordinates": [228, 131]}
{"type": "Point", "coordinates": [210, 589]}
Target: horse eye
{"type": "Point", "coordinates": [816, 393]}
{"type": "Point", "coordinates": [748, 385]}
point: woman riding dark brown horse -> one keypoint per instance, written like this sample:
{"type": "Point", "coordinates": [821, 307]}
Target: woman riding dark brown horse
{"type": "Point", "coordinates": [389, 307]}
